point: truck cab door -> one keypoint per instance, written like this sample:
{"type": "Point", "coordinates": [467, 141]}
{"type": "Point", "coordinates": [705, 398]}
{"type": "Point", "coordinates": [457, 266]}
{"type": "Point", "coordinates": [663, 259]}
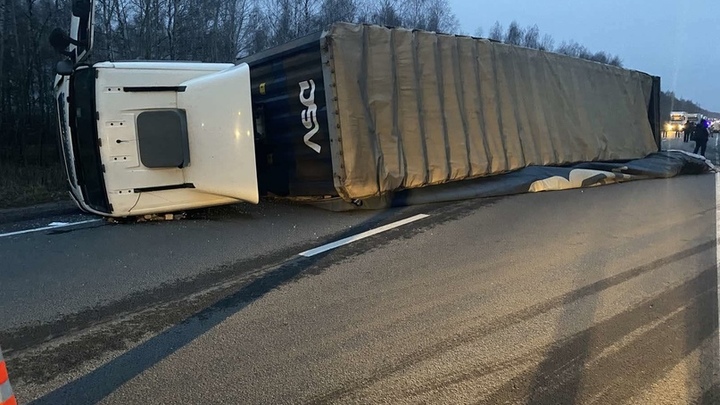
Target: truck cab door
{"type": "Point", "coordinates": [81, 28]}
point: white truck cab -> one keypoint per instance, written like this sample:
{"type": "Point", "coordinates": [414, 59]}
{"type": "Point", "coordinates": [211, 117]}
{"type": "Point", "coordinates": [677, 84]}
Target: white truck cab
{"type": "Point", "coordinates": [143, 137]}
{"type": "Point", "coordinates": [694, 118]}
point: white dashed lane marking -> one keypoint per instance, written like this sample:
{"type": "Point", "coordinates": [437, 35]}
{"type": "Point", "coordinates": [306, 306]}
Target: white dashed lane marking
{"type": "Point", "coordinates": [52, 225]}
{"type": "Point", "coordinates": [363, 235]}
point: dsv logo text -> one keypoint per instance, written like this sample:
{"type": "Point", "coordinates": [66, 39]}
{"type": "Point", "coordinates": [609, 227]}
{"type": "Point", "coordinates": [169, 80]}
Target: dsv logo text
{"type": "Point", "coordinates": [309, 115]}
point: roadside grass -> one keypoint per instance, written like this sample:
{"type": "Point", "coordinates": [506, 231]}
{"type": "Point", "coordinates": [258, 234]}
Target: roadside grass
{"type": "Point", "coordinates": [28, 185]}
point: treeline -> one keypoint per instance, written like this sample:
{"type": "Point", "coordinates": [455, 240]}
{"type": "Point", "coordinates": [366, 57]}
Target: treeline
{"type": "Point", "coordinates": [530, 37]}
{"type": "Point", "coordinates": [217, 30]}
{"type": "Point", "coordinates": [27, 113]}
{"type": "Point", "coordinates": [669, 102]}
{"type": "Point", "coordinates": [198, 30]}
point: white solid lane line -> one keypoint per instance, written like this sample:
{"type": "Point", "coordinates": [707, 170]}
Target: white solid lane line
{"type": "Point", "coordinates": [363, 235]}
{"type": "Point", "coordinates": [53, 225]}
{"type": "Point", "coordinates": [717, 236]}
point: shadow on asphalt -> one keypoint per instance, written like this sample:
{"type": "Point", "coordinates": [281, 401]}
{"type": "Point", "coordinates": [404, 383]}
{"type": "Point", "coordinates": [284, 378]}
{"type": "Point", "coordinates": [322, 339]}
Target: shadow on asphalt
{"type": "Point", "coordinates": [564, 377]}
{"type": "Point", "coordinates": [563, 360]}
{"type": "Point", "coordinates": [599, 365]}
{"type": "Point", "coordinates": [582, 314]}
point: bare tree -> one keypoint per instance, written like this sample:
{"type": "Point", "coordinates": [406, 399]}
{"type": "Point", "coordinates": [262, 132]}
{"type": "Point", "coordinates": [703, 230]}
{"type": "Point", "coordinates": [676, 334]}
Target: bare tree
{"type": "Point", "coordinates": [496, 32]}
{"type": "Point", "coordinates": [4, 33]}
{"type": "Point", "coordinates": [429, 15]}
{"type": "Point", "coordinates": [258, 33]}
{"type": "Point", "coordinates": [547, 43]}
{"type": "Point", "coordinates": [515, 34]}
{"type": "Point", "coordinates": [290, 19]}
{"type": "Point", "coordinates": [282, 19]}
{"type": "Point", "coordinates": [337, 10]}
{"type": "Point", "coordinates": [414, 13]}
{"type": "Point", "coordinates": [571, 48]}
{"type": "Point", "coordinates": [240, 28]}
{"type": "Point", "coordinates": [531, 39]}
{"type": "Point", "coordinates": [440, 17]}
{"type": "Point", "coordinates": [576, 50]}
{"type": "Point", "coordinates": [601, 57]}
{"type": "Point", "coordinates": [386, 13]}
{"type": "Point", "coordinates": [479, 32]}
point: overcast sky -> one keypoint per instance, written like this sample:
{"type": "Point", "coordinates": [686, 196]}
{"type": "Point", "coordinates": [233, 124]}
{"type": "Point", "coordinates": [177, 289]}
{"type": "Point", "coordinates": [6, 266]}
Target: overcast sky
{"type": "Point", "coordinates": [678, 40]}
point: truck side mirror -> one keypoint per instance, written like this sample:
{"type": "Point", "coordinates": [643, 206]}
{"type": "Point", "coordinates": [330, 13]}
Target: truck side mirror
{"type": "Point", "coordinates": [59, 40]}
{"type": "Point", "coordinates": [82, 8]}
{"type": "Point", "coordinates": [64, 67]}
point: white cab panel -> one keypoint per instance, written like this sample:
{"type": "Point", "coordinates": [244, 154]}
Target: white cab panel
{"type": "Point", "coordinates": [221, 135]}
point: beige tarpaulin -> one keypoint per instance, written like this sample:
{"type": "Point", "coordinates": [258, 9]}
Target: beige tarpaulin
{"type": "Point", "coordinates": [417, 108]}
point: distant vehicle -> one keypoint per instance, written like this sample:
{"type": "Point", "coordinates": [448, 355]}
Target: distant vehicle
{"type": "Point", "coordinates": [715, 127]}
{"type": "Point", "coordinates": [694, 118]}
{"type": "Point", "coordinates": [677, 122]}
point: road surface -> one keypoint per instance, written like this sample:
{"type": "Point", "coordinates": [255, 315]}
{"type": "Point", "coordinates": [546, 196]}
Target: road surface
{"type": "Point", "coordinates": [713, 146]}
{"type": "Point", "coordinates": [603, 295]}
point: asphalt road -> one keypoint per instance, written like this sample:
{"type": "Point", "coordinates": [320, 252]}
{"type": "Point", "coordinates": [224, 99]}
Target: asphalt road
{"type": "Point", "coordinates": [603, 295]}
{"type": "Point", "coordinates": [54, 273]}
{"type": "Point", "coordinates": [713, 146]}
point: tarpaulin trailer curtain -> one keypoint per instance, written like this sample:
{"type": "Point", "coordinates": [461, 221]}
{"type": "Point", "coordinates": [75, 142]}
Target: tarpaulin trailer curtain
{"type": "Point", "coordinates": [409, 109]}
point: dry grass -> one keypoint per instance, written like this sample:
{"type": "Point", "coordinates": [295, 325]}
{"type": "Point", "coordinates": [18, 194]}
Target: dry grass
{"type": "Point", "coordinates": [28, 185]}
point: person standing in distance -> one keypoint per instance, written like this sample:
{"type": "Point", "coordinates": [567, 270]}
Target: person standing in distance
{"type": "Point", "coordinates": [700, 136]}
{"type": "Point", "coordinates": [686, 130]}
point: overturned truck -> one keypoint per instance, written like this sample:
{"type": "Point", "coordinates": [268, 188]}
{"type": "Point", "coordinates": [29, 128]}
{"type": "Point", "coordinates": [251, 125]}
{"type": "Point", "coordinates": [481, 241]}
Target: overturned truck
{"type": "Point", "coordinates": [347, 115]}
